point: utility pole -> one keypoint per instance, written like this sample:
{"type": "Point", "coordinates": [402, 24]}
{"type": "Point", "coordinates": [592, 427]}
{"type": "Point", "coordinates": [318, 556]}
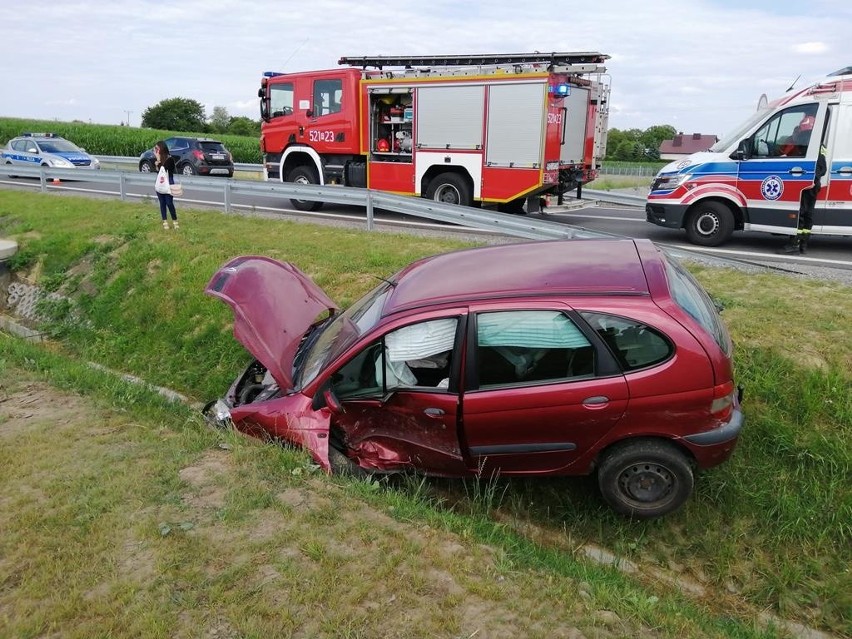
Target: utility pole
{"type": "Point", "coordinates": [128, 116]}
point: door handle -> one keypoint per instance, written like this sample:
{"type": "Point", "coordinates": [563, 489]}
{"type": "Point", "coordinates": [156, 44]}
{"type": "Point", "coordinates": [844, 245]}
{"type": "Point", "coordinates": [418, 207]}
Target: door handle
{"type": "Point", "coordinates": [597, 400]}
{"type": "Point", "coordinates": [844, 170]}
{"type": "Point", "coordinates": [797, 170]}
{"type": "Point", "coordinates": [434, 413]}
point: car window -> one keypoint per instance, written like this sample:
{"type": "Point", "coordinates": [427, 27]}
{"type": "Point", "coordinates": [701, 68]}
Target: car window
{"type": "Point", "coordinates": [693, 299]}
{"type": "Point", "coordinates": [530, 346]}
{"type": "Point", "coordinates": [212, 147]}
{"type": "Point", "coordinates": [416, 356]}
{"type": "Point", "coordinates": [634, 344]}
{"type": "Point", "coordinates": [58, 146]}
{"type": "Point", "coordinates": [19, 145]}
{"type": "Point", "coordinates": [784, 133]}
{"type": "Point", "coordinates": [177, 145]}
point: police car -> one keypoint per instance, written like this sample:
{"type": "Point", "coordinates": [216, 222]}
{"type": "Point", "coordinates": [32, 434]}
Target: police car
{"type": "Point", "coordinates": [46, 149]}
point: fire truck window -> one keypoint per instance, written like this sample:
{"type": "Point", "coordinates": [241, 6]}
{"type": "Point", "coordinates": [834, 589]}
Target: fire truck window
{"type": "Point", "coordinates": [281, 100]}
{"type": "Point", "coordinates": [327, 96]}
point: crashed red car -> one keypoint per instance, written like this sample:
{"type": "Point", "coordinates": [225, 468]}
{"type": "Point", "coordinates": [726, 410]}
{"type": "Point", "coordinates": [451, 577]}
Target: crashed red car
{"type": "Point", "coordinates": [540, 358]}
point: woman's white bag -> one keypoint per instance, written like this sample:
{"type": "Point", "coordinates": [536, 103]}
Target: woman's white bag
{"type": "Point", "coordinates": [162, 185]}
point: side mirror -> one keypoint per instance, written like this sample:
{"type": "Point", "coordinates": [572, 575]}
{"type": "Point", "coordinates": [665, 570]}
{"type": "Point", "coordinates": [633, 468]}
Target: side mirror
{"type": "Point", "coordinates": [743, 151]}
{"type": "Point", "coordinates": [325, 398]}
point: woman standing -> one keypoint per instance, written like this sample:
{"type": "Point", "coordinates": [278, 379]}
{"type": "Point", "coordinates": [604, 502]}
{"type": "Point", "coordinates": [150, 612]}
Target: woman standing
{"type": "Point", "coordinates": [165, 178]}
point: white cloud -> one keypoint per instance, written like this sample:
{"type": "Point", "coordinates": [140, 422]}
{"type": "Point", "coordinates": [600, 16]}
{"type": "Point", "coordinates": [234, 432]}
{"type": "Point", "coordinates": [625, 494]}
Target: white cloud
{"type": "Point", "coordinates": [700, 63]}
{"type": "Point", "coordinates": [810, 47]}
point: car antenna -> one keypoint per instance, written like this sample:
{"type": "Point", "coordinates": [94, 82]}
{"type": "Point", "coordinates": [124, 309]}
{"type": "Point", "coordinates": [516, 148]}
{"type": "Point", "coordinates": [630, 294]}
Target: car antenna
{"type": "Point", "coordinates": [790, 88]}
{"type": "Point", "coordinates": [295, 51]}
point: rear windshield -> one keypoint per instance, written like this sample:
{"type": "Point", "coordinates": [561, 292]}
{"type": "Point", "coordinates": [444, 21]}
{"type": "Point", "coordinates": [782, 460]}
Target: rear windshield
{"type": "Point", "coordinates": [213, 147]}
{"type": "Point", "coordinates": [693, 299]}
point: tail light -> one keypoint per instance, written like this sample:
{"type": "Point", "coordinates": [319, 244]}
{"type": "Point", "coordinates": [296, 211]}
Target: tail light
{"type": "Point", "coordinates": [723, 401]}
{"type": "Point", "coordinates": [199, 155]}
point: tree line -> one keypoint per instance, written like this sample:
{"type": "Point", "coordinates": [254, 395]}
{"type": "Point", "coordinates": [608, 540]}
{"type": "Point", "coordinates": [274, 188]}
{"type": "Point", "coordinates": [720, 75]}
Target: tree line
{"type": "Point", "coordinates": [183, 114]}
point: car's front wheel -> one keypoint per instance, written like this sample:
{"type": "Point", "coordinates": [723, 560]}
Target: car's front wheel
{"type": "Point", "coordinates": [710, 224]}
{"type": "Point", "coordinates": [146, 166]}
{"type": "Point", "coordinates": [645, 478]}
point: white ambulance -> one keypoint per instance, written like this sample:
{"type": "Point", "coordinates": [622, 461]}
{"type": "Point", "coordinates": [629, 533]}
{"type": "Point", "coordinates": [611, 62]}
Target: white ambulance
{"type": "Point", "coordinates": [753, 179]}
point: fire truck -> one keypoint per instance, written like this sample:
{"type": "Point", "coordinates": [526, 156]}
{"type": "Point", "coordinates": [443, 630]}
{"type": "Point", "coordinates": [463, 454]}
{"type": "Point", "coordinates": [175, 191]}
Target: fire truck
{"type": "Point", "coordinates": [500, 130]}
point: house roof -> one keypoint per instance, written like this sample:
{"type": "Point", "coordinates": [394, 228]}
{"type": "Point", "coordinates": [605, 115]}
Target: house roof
{"type": "Point", "coordinates": [686, 144]}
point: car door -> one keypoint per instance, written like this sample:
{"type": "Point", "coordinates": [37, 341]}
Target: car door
{"type": "Point", "coordinates": [399, 398]}
{"type": "Point", "coordinates": [833, 212]}
{"type": "Point", "coordinates": [541, 390]}
{"type": "Point", "coordinates": [781, 165]}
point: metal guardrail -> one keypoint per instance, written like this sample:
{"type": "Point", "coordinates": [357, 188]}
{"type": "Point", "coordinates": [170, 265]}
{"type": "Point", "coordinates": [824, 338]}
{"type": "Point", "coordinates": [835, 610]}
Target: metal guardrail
{"type": "Point", "coordinates": [468, 217]}
{"type": "Point", "coordinates": [612, 197]}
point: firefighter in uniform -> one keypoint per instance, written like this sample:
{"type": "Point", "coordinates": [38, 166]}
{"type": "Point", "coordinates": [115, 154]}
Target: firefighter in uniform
{"type": "Point", "coordinates": [799, 242]}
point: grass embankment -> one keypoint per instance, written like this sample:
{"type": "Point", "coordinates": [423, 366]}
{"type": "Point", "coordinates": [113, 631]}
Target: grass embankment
{"type": "Point", "coordinates": [138, 523]}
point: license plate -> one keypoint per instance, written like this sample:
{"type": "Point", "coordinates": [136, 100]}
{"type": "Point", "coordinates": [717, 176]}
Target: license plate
{"type": "Point", "coordinates": [217, 156]}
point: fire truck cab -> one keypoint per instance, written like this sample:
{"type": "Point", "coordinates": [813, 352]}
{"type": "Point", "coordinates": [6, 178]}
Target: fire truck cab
{"type": "Point", "coordinates": [753, 178]}
{"type": "Point", "coordinates": [500, 130]}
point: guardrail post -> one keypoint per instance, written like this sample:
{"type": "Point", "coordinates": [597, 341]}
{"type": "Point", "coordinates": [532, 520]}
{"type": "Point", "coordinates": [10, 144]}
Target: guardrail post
{"type": "Point", "coordinates": [122, 187]}
{"type": "Point", "coordinates": [369, 210]}
{"type": "Point", "coordinates": [43, 179]}
{"type": "Point", "coordinates": [228, 196]}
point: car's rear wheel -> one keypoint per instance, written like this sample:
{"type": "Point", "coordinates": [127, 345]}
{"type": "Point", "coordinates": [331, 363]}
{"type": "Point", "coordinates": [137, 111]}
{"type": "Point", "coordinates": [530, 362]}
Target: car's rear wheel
{"type": "Point", "coordinates": [710, 224]}
{"type": "Point", "coordinates": [188, 169]}
{"type": "Point", "coordinates": [645, 478]}
{"type": "Point", "coordinates": [304, 175]}
{"type": "Point", "coordinates": [146, 166]}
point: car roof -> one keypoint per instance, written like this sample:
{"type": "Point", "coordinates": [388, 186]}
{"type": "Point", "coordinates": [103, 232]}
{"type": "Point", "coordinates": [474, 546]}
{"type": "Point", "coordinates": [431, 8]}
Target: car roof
{"type": "Point", "coordinates": [527, 269]}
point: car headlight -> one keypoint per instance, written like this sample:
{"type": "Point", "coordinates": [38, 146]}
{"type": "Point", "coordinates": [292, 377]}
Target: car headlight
{"type": "Point", "coordinates": [669, 182]}
{"type": "Point", "coordinates": [60, 163]}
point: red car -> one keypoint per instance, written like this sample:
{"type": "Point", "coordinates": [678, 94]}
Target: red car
{"type": "Point", "coordinates": [540, 358]}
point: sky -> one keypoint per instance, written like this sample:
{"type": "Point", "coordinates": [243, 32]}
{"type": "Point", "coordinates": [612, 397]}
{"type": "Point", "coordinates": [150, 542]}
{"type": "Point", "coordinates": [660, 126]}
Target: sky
{"type": "Point", "coordinates": [697, 65]}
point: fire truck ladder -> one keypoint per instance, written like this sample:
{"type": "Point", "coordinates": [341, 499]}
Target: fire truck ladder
{"type": "Point", "coordinates": [577, 62]}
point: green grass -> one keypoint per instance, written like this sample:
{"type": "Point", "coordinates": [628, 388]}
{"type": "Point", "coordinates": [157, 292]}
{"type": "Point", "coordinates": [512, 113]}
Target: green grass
{"type": "Point", "coordinates": [770, 529]}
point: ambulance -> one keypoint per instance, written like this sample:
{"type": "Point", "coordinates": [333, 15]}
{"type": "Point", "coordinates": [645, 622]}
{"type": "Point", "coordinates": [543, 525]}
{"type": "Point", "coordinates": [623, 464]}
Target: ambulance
{"type": "Point", "coordinates": [752, 180]}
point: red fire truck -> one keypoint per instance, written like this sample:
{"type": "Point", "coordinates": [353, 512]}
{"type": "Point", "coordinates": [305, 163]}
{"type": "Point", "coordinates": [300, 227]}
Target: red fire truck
{"type": "Point", "coordinates": [492, 129]}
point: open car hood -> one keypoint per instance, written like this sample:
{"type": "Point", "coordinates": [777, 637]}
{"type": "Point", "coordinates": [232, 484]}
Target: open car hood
{"type": "Point", "coordinates": [274, 304]}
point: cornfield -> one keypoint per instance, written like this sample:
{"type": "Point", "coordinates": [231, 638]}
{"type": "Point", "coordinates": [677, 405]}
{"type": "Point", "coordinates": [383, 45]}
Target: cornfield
{"type": "Point", "coordinates": [122, 141]}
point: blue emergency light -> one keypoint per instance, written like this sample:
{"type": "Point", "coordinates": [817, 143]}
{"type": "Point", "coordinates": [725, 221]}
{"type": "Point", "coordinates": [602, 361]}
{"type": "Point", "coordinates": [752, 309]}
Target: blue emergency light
{"type": "Point", "coordinates": [561, 90]}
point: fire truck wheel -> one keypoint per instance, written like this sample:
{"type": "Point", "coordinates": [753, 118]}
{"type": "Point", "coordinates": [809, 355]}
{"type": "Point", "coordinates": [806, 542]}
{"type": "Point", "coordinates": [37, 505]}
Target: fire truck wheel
{"type": "Point", "coordinates": [304, 175]}
{"type": "Point", "coordinates": [450, 188]}
{"type": "Point", "coordinates": [709, 224]}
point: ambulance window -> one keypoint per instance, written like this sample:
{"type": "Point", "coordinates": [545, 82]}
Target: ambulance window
{"type": "Point", "coordinates": [787, 133]}
{"type": "Point", "coordinates": [281, 99]}
{"type": "Point", "coordinates": [328, 96]}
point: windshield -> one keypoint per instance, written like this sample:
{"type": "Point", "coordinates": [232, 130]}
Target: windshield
{"type": "Point", "coordinates": [737, 134]}
{"type": "Point", "coordinates": [58, 146]}
{"type": "Point", "coordinates": [338, 335]}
